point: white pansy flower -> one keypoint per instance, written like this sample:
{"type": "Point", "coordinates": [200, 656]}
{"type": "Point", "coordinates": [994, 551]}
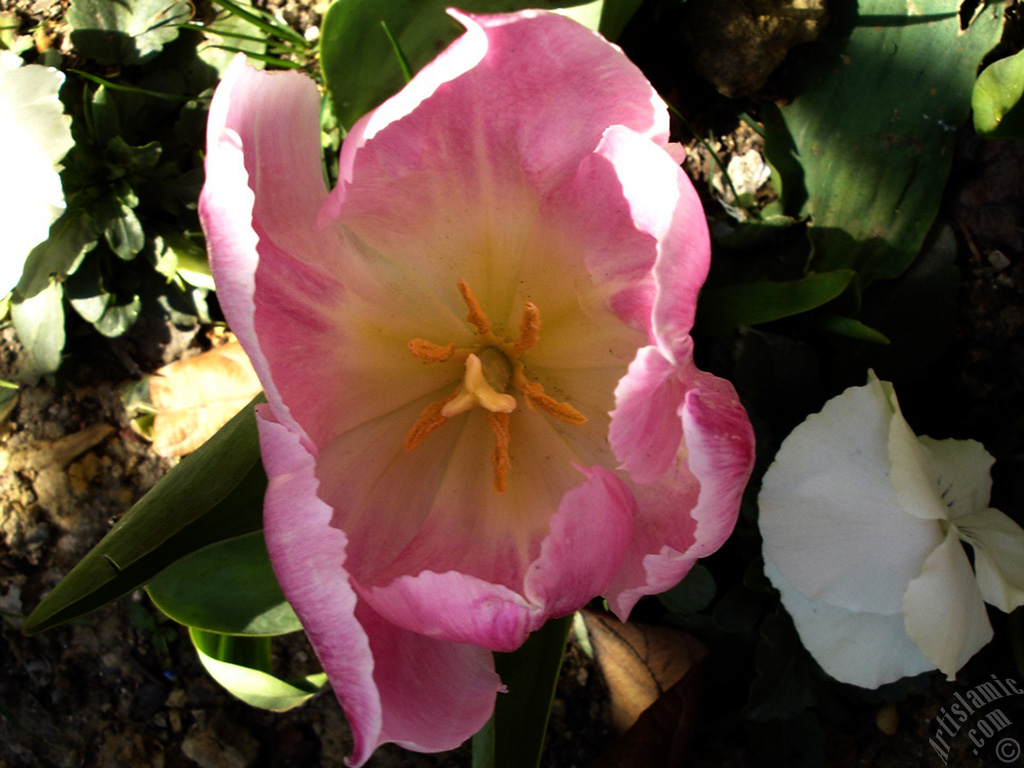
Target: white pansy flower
{"type": "Point", "coordinates": [35, 134]}
{"type": "Point", "coordinates": [862, 524]}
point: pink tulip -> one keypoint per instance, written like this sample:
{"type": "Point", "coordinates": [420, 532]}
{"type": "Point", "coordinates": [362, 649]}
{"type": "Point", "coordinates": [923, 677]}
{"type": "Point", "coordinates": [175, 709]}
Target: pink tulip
{"type": "Point", "coordinates": [482, 404]}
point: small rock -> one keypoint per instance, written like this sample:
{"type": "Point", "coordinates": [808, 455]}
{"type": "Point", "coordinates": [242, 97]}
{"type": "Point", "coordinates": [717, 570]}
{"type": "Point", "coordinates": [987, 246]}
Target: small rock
{"type": "Point", "coordinates": [998, 260]}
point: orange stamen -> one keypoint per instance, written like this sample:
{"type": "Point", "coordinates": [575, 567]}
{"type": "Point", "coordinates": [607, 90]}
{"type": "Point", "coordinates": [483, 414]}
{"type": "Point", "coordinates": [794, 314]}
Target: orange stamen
{"type": "Point", "coordinates": [476, 316]}
{"type": "Point", "coordinates": [550, 406]}
{"type": "Point", "coordinates": [499, 424]}
{"type": "Point", "coordinates": [429, 421]}
{"type": "Point", "coordinates": [529, 329]}
{"type": "Point", "coordinates": [430, 353]}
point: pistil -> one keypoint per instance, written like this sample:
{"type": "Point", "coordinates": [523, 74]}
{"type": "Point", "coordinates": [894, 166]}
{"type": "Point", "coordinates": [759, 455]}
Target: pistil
{"type": "Point", "coordinates": [492, 366]}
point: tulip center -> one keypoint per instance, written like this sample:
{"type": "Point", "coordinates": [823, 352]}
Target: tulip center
{"type": "Point", "coordinates": [492, 366]}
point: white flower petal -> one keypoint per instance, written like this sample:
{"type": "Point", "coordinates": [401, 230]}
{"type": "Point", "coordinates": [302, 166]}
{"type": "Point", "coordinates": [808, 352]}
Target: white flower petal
{"type": "Point", "coordinates": [864, 649]}
{"type": "Point", "coordinates": [963, 474]}
{"type": "Point", "coordinates": [831, 519]}
{"type": "Point", "coordinates": [913, 477]}
{"type": "Point", "coordinates": [998, 544]}
{"type": "Point", "coordinates": [943, 609]}
{"type": "Point", "coordinates": [33, 127]}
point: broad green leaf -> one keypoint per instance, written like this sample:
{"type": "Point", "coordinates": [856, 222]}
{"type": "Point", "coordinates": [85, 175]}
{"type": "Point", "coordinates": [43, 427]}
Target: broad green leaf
{"type": "Point", "coordinates": [358, 58]}
{"type": "Point", "coordinates": [231, 31]}
{"type": "Point", "coordinates": [514, 737]}
{"type": "Point", "coordinates": [39, 323]}
{"type": "Point", "coordinates": [84, 290]}
{"type": "Point", "coordinates": [122, 229]}
{"type": "Point", "coordinates": [214, 494]}
{"type": "Point", "coordinates": [997, 99]}
{"type": "Point", "coordinates": [118, 318]}
{"type": "Point", "coordinates": [874, 123]}
{"type": "Point", "coordinates": [242, 666]}
{"type": "Point", "coordinates": [124, 31]}
{"type": "Point", "coordinates": [228, 587]}
{"type": "Point", "coordinates": [72, 236]}
{"type": "Point", "coordinates": [730, 306]}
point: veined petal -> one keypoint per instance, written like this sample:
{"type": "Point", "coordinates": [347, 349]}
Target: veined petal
{"type": "Point", "coordinates": [707, 475]}
{"type": "Point", "coordinates": [998, 544]}
{"type": "Point", "coordinates": [943, 609]}
{"type": "Point", "coordinates": [859, 648]}
{"type": "Point", "coordinates": [429, 695]}
{"type": "Point", "coordinates": [962, 474]}
{"type": "Point", "coordinates": [831, 520]}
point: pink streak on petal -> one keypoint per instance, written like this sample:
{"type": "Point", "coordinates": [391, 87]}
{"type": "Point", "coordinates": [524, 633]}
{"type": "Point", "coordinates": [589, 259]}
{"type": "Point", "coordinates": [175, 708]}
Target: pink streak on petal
{"type": "Point", "coordinates": [646, 432]}
{"type": "Point", "coordinates": [586, 545]}
{"type": "Point", "coordinates": [435, 694]}
{"type": "Point", "coordinates": [688, 511]}
{"type": "Point", "coordinates": [308, 556]}
{"type": "Point", "coordinates": [263, 187]}
{"type": "Point", "coordinates": [394, 685]}
{"type": "Point", "coordinates": [576, 86]}
{"type": "Point", "coordinates": [664, 205]}
{"type": "Point", "coordinates": [457, 608]}
{"type": "Point", "coordinates": [595, 518]}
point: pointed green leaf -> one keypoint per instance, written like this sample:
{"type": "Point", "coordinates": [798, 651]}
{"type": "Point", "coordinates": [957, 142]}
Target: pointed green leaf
{"type": "Point", "coordinates": [215, 493]}
{"type": "Point", "coordinates": [874, 123]}
{"type": "Point", "coordinates": [242, 666]}
{"type": "Point", "coordinates": [72, 236]}
{"type": "Point", "coordinates": [228, 587]}
{"type": "Point", "coordinates": [730, 306]}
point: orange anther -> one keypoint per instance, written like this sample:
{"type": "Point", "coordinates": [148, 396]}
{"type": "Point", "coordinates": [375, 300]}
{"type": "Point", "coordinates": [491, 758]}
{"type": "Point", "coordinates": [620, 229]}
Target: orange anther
{"type": "Point", "coordinates": [550, 406]}
{"type": "Point", "coordinates": [529, 329]}
{"type": "Point", "coordinates": [476, 316]}
{"type": "Point", "coordinates": [430, 353]}
{"type": "Point", "coordinates": [499, 424]}
{"type": "Point", "coordinates": [429, 421]}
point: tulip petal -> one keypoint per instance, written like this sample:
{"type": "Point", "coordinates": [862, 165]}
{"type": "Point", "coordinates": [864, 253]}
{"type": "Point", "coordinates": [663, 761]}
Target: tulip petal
{"type": "Point", "coordinates": [426, 695]}
{"type": "Point", "coordinates": [708, 472]}
{"type": "Point", "coordinates": [263, 187]}
{"type": "Point", "coordinates": [831, 521]}
{"type": "Point", "coordinates": [944, 612]}
{"type": "Point", "coordinates": [577, 85]}
{"type": "Point", "coordinates": [859, 648]}
{"type": "Point", "coordinates": [998, 544]}
{"type": "Point", "coordinates": [594, 517]}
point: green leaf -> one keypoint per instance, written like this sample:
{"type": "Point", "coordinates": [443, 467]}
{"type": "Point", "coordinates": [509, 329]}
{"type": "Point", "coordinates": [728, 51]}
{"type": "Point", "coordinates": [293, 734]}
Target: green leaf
{"type": "Point", "coordinates": [72, 236]}
{"type": "Point", "coordinates": [996, 100]}
{"type": "Point", "coordinates": [874, 124]}
{"type": "Point", "coordinates": [514, 737]}
{"type": "Point", "coordinates": [214, 494]}
{"type": "Point", "coordinates": [39, 323]}
{"type": "Point", "coordinates": [118, 317]}
{"type": "Point", "coordinates": [124, 31]}
{"type": "Point", "coordinates": [242, 666]}
{"type": "Point", "coordinates": [122, 228]}
{"type": "Point", "coordinates": [852, 328]}
{"type": "Point", "coordinates": [228, 587]}
{"type": "Point", "coordinates": [358, 60]}
{"type": "Point", "coordinates": [762, 301]}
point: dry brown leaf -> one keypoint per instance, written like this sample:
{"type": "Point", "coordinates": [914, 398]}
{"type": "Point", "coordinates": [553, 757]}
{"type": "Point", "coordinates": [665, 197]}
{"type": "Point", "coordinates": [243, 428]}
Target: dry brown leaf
{"type": "Point", "coordinates": [653, 677]}
{"type": "Point", "coordinates": [639, 662]}
{"type": "Point", "coordinates": [195, 397]}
